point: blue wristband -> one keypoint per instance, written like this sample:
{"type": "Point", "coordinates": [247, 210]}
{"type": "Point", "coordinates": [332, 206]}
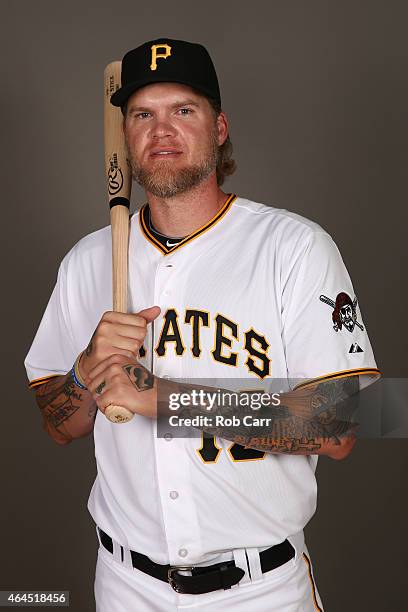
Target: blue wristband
{"type": "Point", "coordinates": [76, 381]}
{"type": "Point", "coordinates": [76, 375]}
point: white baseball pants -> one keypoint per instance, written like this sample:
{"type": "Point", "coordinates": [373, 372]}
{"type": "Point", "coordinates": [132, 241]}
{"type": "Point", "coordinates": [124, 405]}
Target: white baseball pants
{"type": "Point", "coordinates": [288, 588]}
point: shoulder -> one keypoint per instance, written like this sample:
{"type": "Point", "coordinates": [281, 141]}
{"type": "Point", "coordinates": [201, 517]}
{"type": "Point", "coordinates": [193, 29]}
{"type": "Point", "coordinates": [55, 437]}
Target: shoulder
{"type": "Point", "coordinates": [283, 226]}
{"type": "Point", "coordinates": [89, 250]}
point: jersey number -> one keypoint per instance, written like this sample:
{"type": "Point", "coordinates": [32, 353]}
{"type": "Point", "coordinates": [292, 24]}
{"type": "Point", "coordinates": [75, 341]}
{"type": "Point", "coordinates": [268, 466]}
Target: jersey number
{"type": "Point", "coordinates": [209, 451]}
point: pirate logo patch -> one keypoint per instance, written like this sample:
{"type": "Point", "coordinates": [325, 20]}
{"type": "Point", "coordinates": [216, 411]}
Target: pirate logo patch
{"type": "Point", "coordinates": [344, 312]}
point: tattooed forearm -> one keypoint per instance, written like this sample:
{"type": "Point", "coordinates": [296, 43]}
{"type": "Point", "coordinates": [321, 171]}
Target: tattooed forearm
{"type": "Point", "coordinates": [140, 377]}
{"type": "Point", "coordinates": [49, 392]}
{"type": "Point", "coordinates": [270, 444]}
{"type": "Point", "coordinates": [307, 421]}
{"type": "Point", "coordinates": [92, 411]}
{"type": "Point", "coordinates": [58, 401]}
{"type": "Point", "coordinates": [68, 411]}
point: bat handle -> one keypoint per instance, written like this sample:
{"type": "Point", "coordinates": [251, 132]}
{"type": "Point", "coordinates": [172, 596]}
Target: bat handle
{"type": "Point", "coordinates": [120, 238]}
{"type": "Point", "coordinates": [118, 414]}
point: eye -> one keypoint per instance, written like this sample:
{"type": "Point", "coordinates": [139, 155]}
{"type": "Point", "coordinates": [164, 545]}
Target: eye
{"type": "Point", "coordinates": [185, 111]}
{"type": "Point", "coordinates": [142, 115]}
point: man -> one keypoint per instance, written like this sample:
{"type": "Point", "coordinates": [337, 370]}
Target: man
{"type": "Point", "coordinates": [222, 289]}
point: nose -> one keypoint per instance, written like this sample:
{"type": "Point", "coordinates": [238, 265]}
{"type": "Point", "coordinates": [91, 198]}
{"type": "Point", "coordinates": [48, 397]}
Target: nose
{"type": "Point", "coordinates": [162, 128]}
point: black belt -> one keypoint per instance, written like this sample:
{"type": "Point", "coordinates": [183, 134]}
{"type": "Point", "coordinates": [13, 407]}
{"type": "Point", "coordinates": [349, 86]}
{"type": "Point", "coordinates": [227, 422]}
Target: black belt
{"type": "Point", "coordinates": [204, 579]}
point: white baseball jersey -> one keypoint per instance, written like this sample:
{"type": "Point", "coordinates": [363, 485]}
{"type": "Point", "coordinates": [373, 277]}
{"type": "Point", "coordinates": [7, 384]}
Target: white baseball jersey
{"type": "Point", "coordinates": [257, 293]}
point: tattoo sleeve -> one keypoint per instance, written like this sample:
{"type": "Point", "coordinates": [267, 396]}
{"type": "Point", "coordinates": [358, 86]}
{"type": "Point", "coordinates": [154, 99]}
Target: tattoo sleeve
{"type": "Point", "coordinates": [68, 411]}
{"type": "Point", "coordinates": [308, 420]}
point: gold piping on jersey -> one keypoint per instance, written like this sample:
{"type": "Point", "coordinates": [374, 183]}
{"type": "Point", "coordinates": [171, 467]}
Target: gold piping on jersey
{"type": "Point", "coordinates": [341, 374]}
{"type": "Point", "coordinates": [164, 250]}
{"type": "Point", "coordinates": [40, 381]}
{"type": "Point", "coordinates": [309, 569]}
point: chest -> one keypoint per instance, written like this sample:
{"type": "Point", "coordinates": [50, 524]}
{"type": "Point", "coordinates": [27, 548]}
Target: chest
{"type": "Point", "coordinates": [220, 309]}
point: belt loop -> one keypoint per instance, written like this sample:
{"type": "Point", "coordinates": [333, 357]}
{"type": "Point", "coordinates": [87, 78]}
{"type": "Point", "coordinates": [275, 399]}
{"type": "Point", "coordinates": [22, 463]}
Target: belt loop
{"type": "Point", "coordinates": [97, 535]}
{"type": "Point", "coordinates": [298, 541]}
{"type": "Point", "coordinates": [241, 561]}
{"type": "Point", "coordinates": [254, 564]}
{"type": "Point", "coordinates": [117, 551]}
{"type": "Point", "coordinates": [127, 558]}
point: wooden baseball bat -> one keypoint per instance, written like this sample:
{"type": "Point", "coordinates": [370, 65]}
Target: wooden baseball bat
{"type": "Point", "coordinates": [119, 182]}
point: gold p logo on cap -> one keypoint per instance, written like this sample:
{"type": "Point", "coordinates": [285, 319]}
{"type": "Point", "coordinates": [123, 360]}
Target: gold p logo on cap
{"type": "Point", "coordinates": [156, 55]}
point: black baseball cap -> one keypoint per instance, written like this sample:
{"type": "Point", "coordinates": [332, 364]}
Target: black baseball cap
{"type": "Point", "coordinates": [167, 61]}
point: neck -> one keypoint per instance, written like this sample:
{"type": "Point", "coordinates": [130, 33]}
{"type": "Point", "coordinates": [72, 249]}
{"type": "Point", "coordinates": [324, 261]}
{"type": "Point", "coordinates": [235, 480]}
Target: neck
{"type": "Point", "coordinates": [186, 212]}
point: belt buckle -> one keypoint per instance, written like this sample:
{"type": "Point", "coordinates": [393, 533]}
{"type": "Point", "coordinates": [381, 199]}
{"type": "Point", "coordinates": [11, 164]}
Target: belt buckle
{"type": "Point", "coordinates": [174, 569]}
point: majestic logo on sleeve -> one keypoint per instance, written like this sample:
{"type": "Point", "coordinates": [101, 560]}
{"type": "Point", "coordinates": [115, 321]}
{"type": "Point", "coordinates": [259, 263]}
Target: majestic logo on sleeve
{"type": "Point", "coordinates": [344, 312]}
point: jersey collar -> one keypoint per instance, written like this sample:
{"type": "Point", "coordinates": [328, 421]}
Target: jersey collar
{"type": "Point", "coordinates": [144, 226]}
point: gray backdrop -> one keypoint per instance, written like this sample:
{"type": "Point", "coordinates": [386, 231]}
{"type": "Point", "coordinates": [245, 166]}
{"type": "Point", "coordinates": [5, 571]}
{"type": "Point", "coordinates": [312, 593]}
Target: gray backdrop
{"type": "Point", "coordinates": [316, 93]}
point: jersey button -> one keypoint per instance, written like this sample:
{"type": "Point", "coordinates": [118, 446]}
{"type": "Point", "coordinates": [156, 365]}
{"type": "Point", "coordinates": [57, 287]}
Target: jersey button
{"type": "Point", "coordinates": [168, 437]}
{"type": "Point", "coordinates": [166, 293]}
{"type": "Point", "coordinates": [183, 552]}
{"type": "Point", "coordinates": [174, 494]}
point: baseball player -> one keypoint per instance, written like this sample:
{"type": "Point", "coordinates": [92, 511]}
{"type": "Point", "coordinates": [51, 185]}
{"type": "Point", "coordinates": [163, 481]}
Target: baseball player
{"type": "Point", "coordinates": [221, 288]}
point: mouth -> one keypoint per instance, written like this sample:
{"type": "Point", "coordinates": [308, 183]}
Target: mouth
{"type": "Point", "coordinates": [164, 153]}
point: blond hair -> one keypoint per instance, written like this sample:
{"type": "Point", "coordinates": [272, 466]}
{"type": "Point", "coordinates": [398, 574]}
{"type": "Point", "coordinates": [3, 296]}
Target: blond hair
{"type": "Point", "coordinates": [225, 164]}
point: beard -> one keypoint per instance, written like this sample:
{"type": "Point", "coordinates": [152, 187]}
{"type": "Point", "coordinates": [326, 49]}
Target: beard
{"type": "Point", "coordinates": [166, 181]}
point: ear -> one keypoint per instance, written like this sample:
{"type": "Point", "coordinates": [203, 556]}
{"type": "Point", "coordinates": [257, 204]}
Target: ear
{"type": "Point", "coordinates": [222, 126]}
